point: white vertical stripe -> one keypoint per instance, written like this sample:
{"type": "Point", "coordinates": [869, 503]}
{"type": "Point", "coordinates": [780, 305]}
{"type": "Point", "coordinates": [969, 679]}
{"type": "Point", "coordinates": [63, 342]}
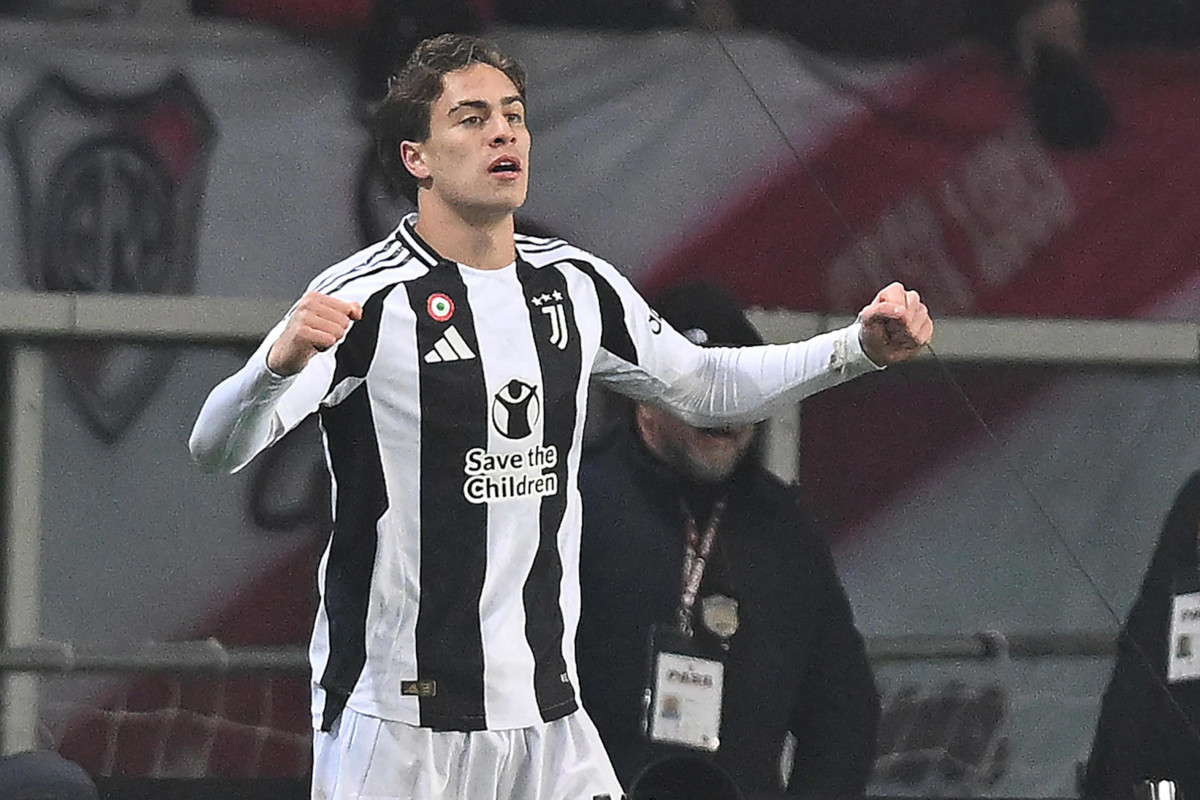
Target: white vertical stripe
{"type": "Point", "coordinates": [507, 351]}
{"type": "Point", "coordinates": [318, 647]}
{"type": "Point", "coordinates": [392, 616]}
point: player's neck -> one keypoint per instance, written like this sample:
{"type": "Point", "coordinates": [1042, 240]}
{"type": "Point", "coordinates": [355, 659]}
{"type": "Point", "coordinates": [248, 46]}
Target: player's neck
{"type": "Point", "coordinates": [484, 241]}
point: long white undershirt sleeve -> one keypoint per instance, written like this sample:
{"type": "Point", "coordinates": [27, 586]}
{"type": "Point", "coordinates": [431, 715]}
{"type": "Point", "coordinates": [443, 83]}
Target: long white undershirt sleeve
{"type": "Point", "coordinates": [730, 386]}
{"type": "Point", "coordinates": [712, 386]}
{"type": "Point", "coordinates": [237, 419]}
{"type": "Point", "coordinates": [253, 408]}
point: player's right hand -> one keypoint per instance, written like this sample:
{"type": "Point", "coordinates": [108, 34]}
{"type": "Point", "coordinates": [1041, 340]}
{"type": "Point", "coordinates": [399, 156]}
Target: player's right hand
{"type": "Point", "coordinates": [895, 325]}
{"type": "Point", "coordinates": [317, 323]}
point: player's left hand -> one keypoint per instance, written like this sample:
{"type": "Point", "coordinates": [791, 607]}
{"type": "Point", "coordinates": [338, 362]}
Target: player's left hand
{"type": "Point", "coordinates": [895, 325]}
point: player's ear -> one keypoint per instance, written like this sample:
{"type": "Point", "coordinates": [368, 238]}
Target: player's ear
{"type": "Point", "coordinates": [412, 155]}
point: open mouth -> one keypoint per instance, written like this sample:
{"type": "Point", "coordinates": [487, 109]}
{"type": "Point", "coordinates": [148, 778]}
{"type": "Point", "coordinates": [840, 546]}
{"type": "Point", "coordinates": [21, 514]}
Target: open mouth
{"type": "Point", "coordinates": [504, 165]}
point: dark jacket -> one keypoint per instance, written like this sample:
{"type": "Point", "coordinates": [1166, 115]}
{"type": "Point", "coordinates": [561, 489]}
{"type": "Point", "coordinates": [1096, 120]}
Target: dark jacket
{"type": "Point", "coordinates": [1148, 728]}
{"type": "Point", "coordinates": [796, 663]}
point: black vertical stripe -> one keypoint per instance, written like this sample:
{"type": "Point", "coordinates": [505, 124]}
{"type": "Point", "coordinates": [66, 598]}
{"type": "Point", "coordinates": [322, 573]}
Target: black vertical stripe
{"type": "Point", "coordinates": [362, 499]}
{"type": "Point", "coordinates": [560, 368]}
{"type": "Point", "coordinates": [454, 419]}
{"type": "Point", "coordinates": [614, 336]}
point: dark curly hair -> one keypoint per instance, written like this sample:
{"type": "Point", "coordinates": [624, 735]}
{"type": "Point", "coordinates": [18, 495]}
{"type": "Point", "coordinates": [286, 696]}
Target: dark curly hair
{"type": "Point", "coordinates": [403, 114]}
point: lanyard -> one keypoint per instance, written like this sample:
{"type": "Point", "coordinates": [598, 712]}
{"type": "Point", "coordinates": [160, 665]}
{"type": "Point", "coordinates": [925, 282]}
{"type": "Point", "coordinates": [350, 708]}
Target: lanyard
{"type": "Point", "coordinates": [695, 559]}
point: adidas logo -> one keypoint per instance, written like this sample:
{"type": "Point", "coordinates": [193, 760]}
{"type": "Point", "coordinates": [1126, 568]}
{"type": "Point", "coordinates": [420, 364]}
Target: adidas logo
{"type": "Point", "coordinates": [451, 347]}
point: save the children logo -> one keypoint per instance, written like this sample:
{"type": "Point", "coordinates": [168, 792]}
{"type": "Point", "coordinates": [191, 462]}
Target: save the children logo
{"type": "Point", "coordinates": [497, 476]}
{"type": "Point", "coordinates": [516, 409]}
{"type": "Point", "coordinates": [493, 477]}
{"type": "Point", "coordinates": [110, 189]}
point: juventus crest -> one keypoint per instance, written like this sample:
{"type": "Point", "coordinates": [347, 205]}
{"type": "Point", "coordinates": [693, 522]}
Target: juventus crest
{"type": "Point", "coordinates": [551, 304]}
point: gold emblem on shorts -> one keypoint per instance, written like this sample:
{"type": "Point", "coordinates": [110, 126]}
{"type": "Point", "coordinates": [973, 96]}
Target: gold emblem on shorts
{"type": "Point", "coordinates": [423, 688]}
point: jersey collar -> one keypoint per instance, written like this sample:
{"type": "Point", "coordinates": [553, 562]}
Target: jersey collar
{"type": "Point", "coordinates": [407, 233]}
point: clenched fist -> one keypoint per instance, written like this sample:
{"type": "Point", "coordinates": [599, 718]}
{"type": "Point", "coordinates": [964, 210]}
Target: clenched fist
{"type": "Point", "coordinates": [895, 325]}
{"type": "Point", "coordinates": [318, 323]}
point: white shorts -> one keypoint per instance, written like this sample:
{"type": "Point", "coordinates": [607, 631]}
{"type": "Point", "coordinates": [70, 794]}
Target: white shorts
{"type": "Point", "coordinates": [366, 758]}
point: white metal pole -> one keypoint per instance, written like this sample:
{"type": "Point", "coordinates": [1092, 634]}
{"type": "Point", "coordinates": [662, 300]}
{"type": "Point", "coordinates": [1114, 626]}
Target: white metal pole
{"type": "Point", "coordinates": [22, 561]}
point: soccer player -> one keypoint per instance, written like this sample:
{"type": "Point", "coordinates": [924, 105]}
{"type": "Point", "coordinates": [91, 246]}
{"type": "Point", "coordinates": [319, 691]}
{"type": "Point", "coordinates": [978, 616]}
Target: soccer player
{"type": "Point", "coordinates": [449, 365]}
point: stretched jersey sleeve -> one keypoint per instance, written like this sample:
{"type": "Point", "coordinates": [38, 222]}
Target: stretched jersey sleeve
{"type": "Point", "coordinates": [642, 357]}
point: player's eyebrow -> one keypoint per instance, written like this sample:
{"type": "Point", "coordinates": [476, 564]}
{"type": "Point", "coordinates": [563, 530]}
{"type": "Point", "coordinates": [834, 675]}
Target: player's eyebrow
{"type": "Point", "coordinates": [482, 104]}
{"type": "Point", "coordinates": [476, 104]}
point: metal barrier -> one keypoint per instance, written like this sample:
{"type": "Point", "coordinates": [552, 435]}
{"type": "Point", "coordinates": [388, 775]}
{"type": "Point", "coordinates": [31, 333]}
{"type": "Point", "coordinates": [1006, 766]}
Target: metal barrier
{"type": "Point", "coordinates": [210, 657]}
{"type": "Point", "coordinates": [28, 321]}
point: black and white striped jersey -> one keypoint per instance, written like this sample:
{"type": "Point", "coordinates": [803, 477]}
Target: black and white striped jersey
{"type": "Point", "coordinates": [453, 416]}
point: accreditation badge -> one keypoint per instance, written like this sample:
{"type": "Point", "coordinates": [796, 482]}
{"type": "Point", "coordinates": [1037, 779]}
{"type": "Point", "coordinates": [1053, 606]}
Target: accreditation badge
{"type": "Point", "coordinates": [685, 689]}
{"type": "Point", "coordinates": [720, 615]}
{"type": "Point", "coordinates": [1183, 646]}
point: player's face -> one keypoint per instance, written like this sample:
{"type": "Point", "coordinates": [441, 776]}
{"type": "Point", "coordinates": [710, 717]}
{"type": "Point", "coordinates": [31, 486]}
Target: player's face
{"type": "Point", "coordinates": [704, 454]}
{"type": "Point", "coordinates": [476, 158]}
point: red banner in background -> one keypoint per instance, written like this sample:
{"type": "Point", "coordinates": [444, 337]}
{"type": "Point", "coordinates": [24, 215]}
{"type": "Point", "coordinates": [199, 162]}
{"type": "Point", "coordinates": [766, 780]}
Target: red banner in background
{"type": "Point", "coordinates": [951, 193]}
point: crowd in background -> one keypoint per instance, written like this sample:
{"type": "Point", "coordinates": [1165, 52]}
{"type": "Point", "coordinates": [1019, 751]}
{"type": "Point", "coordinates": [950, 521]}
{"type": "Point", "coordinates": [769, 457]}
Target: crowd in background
{"type": "Point", "coordinates": [1045, 43]}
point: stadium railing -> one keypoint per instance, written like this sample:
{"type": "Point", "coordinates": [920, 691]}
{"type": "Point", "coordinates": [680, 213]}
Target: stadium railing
{"type": "Point", "coordinates": [29, 322]}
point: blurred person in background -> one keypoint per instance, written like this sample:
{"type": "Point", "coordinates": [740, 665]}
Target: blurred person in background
{"type": "Point", "coordinates": [1042, 41]}
{"type": "Point", "coordinates": [659, 495]}
{"type": "Point", "coordinates": [1045, 42]}
{"type": "Point", "coordinates": [1150, 713]}
{"type": "Point", "coordinates": [626, 15]}
{"type": "Point", "coordinates": [449, 365]}
{"type": "Point", "coordinates": [44, 775]}
{"type": "Point", "coordinates": [395, 27]}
